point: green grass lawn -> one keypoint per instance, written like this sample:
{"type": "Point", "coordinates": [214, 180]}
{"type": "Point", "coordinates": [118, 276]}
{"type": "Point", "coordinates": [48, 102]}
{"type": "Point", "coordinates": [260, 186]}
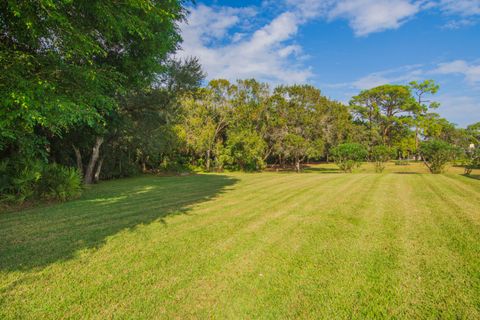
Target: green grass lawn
{"type": "Point", "coordinates": [321, 244]}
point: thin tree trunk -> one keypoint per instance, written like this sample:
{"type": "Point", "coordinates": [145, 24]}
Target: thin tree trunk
{"type": "Point", "coordinates": [416, 142]}
{"type": "Point", "coordinates": [297, 164]}
{"type": "Point", "coordinates": [99, 169]}
{"type": "Point", "coordinates": [78, 157]}
{"type": "Point", "coordinates": [207, 162]}
{"type": "Point", "coordinates": [88, 178]}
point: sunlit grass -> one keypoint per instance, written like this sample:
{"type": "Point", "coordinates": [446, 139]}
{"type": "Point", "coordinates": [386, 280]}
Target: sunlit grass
{"type": "Point", "coordinates": [322, 244]}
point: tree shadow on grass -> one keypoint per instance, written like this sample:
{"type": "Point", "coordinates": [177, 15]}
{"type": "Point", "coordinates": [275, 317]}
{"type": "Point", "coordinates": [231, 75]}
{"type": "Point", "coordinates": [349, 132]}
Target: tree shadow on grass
{"type": "Point", "coordinates": [406, 172]}
{"type": "Point", "coordinates": [472, 176]}
{"type": "Point", "coordinates": [38, 237]}
{"type": "Point", "coordinates": [322, 170]}
{"type": "Point", "coordinates": [305, 169]}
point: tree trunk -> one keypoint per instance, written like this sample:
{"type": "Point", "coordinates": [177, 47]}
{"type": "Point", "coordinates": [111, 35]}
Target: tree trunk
{"type": "Point", "coordinates": [416, 142]}
{"type": "Point", "coordinates": [297, 164]}
{"type": "Point", "coordinates": [99, 169]}
{"type": "Point", "coordinates": [207, 160]}
{"type": "Point", "coordinates": [88, 178]}
{"type": "Point", "coordinates": [78, 157]}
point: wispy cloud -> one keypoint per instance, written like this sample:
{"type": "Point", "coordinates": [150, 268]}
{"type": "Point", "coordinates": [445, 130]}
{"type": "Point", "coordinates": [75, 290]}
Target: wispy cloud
{"type": "Point", "coordinates": [460, 7]}
{"type": "Point", "coordinates": [371, 16]}
{"type": "Point", "coordinates": [398, 75]}
{"type": "Point", "coordinates": [460, 109]}
{"type": "Point", "coordinates": [363, 16]}
{"type": "Point", "coordinates": [461, 103]}
{"type": "Point", "coordinates": [470, 71]}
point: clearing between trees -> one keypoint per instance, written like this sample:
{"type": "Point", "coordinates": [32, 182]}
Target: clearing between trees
{"type": "Point", "coordinates": [321, 244]}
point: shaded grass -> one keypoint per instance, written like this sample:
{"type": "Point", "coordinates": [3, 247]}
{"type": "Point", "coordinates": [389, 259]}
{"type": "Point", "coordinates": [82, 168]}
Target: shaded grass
{"type": "Point", "coordinates": [269, 245]}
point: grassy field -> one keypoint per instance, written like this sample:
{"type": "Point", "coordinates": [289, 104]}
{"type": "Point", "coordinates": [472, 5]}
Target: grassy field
{"type": "Point", "coordinates": [321, 244]}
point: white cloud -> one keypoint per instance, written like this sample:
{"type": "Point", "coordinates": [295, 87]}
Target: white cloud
{"type": "Point", "coordinates": [460, 105]}
{"type": "Point", "coordinates": [470, 71]}
{"type": "Point", "coordinates": [228, 49]}
{"type": "Point", "coordinates": [460, 7]}
{"type": "Point", "coordinates": [459, 23]}
{"type": "Point", "coordinates": [363, 16]}
{"type": "Point", "coordinates": [461, 13]}
{"type": "Point", "coordinates": [368, 16]}
{"type": "Point", "coordinates": [460, 109]}
{"type": "Point", "coordinates": [398, 75]}
{"type": "Point", "coordinates": [231, 43]}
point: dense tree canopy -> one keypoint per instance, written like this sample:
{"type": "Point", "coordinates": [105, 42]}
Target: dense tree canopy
{"type": "Point", "coordinates": [65, 64]}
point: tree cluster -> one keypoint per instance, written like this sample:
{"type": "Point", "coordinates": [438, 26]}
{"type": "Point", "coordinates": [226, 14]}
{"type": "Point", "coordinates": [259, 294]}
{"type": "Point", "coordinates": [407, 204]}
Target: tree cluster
{"type": "Point", "coordinates": [247, 125]}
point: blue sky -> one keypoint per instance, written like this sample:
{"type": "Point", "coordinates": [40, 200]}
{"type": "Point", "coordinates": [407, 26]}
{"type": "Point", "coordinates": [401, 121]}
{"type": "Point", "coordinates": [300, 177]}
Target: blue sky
{"type": "Point", "coordinates": [344, 46]}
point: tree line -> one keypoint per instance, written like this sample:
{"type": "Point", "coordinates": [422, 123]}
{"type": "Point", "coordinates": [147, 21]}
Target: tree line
{"type": "Point", "coordinates": [92, 90]}
{"type": "Point", "coordinates": [247, 125]}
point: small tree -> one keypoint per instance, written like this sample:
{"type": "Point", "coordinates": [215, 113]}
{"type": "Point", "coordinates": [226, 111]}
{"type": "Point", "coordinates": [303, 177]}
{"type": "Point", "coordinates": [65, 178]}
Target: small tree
{"type": "Point", "coordinates": [380, 155]}
{"type": "Point", "coordinates": [473, 160]}
{"type": "Point", "coordinates": [436, 154]}
{"type": "Point", "coordinates": [349, 155]}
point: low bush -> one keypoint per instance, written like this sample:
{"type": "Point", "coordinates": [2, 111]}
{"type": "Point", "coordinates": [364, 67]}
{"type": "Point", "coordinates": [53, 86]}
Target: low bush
{"type": "Point", "coordinates": [349, 155]}
{"type": "Point", "coordinates": [23, 181]}
{"type": "Point", "coordinates": [59, 183]}
{"type": "Point", "coordinates": [402, 162]}
{"type": "Point", "coordinates": [381, 155]}
{"type": "Point", "coordinates": [19, 180]}
{"type": "Point", "coordinates": [436, 154]}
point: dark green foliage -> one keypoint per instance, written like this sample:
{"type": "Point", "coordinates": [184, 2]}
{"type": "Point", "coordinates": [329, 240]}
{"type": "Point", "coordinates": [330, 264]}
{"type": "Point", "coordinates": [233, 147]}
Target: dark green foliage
{"type": "Point", "coordinates": [244, 150]}
{"type": "Point", "coordinates": [59, 183]}
{"type": "Point", "coordinates": [349, 155]}
{"type": "Point", "coordinates": [385, 111]}
{"type": "Point", "coordinates": [436, 154]}
{"type": "Point", "coordinates": [19, 180]}
{"type": "Point", "coordinates": [380, 155]}
{"type": "Point", "coordinates": [68, 66]}
{"type": "Point", "coordinates": [22, 181]}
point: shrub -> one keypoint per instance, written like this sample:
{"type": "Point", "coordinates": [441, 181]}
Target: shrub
{"type": "Point", "coordinates": [59, 183]}
{"type": "Point", "coordinates": [349, 155]}
{"type": "Point", "coordinates": [19, 180]}
{"type": "Point", "coordinates": [436, 154]}
{"type": "Point", "coordinates": [380, 155]}
{"type": "Point", "coordinates": [23, 181]}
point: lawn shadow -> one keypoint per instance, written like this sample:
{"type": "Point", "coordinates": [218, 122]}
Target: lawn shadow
{"type": "Point", "coordinates": [321, 170]}
{"type": "Point", "coordinates": [39, 237]}
{"type": "Point", "coordinates": [306, 168]}
{"type": "Point", "coordinates": [406, 172]}
{"type": "Point", "coordinates": [472, 176]}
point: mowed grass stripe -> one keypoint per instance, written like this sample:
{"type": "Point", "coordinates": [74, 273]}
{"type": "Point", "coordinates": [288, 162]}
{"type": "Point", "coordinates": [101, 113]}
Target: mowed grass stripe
{"type": "Point", "coordinates": [211, 232]}
{"type": "Point", "coordinates": [269, 246]}
{"type": "Point", "coordinates": [266, 239]}
{"type": "Point", "coordinates": [447, 254]}
{"type": "Point", "coordinates": [335, 287]}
